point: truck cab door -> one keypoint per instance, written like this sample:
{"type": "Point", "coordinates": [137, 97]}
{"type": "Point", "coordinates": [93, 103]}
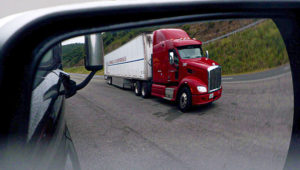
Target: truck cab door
{"type": "Point", "coordinates": [173, 66]}
{"type": "Point", "coordinates": [160, 63]}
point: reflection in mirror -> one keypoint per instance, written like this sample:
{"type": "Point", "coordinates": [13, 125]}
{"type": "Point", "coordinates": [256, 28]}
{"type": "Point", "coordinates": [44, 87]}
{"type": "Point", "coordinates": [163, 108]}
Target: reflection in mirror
{"type": "Point", "coordinates": [232, 109]}
{"type": "Point", "coordinates": [94, 52]}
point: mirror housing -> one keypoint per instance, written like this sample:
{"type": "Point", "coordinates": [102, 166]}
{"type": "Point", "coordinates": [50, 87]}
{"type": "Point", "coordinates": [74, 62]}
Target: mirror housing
{"type": "Point", "coordinates": [171, 57]}
{"type": "Point", "coordinates": [206, 53]}
{"type": "Point", "coordinates": [93, 61]}
{"type": "Point", "coordinates": [94, 51]}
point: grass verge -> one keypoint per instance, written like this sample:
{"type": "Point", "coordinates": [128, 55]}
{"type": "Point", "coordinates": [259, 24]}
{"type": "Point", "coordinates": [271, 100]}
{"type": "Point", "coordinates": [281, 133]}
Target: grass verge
{"type": "Point", "coordinates": [81, 70]}
{"type": "Point", "coordinates": [255, 49]}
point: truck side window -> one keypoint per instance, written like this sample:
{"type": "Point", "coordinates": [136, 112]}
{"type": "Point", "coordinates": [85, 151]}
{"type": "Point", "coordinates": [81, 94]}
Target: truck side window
{"type": "Point", "coordinates": [44, 68]}
{"type": "Point", "coordinates": [50, 61]}
{"type": "Point", "coordinates": [47, 59]}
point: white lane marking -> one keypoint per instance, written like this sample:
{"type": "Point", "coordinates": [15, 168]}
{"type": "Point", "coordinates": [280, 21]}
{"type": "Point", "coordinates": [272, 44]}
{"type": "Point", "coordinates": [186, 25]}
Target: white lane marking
{"type": "Point", "coordinates": [227, 78]}
{"type": "Point", "coordinates": [263, 79]}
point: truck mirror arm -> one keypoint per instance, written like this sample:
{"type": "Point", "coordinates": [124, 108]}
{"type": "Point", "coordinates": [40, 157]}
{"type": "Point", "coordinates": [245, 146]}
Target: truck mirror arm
{"type": "Point", "coordinates": [70, 86]}
{"type": "Point", "coordinates": [86, 81]}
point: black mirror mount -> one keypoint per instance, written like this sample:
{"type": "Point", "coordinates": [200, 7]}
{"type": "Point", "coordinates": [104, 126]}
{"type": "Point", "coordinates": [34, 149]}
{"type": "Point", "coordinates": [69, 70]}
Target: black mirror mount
{"type": "Point", "coordinates": [71, 87]}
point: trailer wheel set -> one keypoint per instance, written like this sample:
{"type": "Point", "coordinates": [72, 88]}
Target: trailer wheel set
{"type": "Point", "coordinates": [137, 88]}
{"type": "Point", "coordinates": [109, 81]}
{"type": "Point", "coordinates": [142, 89]}
{"type": "Point", "coordinates": [184, 97]}
{"type": "Point", "coordinates": [146, 89]}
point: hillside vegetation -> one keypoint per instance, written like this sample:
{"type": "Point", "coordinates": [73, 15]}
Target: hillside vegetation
{"type": "Point", "coordinates": [73, 55]}
{"type": "Point", "coordinates": [257, 48]}
{"type": "Point", "coordinates": [202, 31]}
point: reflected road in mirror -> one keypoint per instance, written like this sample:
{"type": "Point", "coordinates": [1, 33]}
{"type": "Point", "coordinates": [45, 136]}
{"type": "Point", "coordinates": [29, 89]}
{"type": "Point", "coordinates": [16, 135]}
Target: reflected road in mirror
{"type": "Point", "coordinates": [248, 128]}
{"type": "Point", "coordinates": [246, 77]}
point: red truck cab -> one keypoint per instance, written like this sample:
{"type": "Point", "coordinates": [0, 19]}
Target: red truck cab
{"type": "Point", "coordinates": [181, 72]}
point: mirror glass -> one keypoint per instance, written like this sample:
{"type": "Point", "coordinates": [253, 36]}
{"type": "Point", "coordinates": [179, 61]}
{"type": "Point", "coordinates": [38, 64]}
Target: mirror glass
{"type": "Point", "coordinates": [94, 52]}
{"type": "Point", "coordinates": [233, 110]}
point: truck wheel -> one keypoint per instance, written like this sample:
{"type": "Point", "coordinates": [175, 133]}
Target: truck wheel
{"type": "Point", "coordinates": [137, 88]}
{"type": "Point", "coordinates": [145, 90]}
{"type": "Point", "coordinates": [184, 99]}
{"type": "Point", "coordinates": [109, 81]}
{"type": "Point", "coordinates": [209, 104]}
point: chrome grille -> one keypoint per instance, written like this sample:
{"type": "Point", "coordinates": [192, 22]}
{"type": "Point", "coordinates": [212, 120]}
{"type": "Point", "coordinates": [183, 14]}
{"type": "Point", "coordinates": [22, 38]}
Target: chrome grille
{"type": "Point", "coordinates": [214, 78]}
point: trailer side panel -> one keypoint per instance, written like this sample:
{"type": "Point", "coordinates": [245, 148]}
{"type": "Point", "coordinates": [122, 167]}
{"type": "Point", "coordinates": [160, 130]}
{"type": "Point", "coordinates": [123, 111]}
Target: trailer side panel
{"type": "Point", "coordinates": [130, 60]}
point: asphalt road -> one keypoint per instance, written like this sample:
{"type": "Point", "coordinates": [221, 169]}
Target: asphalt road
{"type": "Point", "coordinates": [249, 127]}
{"type": "Point", "coordinates": [269, 74]}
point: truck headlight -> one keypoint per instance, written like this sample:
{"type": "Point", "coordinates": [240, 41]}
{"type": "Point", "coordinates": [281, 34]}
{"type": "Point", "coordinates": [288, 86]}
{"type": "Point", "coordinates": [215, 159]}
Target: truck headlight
{"type": "Point", "coordinates": [202, 89]}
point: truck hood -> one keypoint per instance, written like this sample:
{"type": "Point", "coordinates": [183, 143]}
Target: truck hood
{"type": "Point", "coordinates": [201, 63]}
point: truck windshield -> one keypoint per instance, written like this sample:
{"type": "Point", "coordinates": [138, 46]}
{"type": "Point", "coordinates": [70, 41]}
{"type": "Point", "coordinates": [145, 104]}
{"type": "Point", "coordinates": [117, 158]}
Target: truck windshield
{"type": "Point", "coordinates": [191, 51]}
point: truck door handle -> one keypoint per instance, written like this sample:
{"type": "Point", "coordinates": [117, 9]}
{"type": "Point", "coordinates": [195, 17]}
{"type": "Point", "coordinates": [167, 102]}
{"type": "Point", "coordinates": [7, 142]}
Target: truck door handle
{"type": "Point", "coordinates": [159, 71]}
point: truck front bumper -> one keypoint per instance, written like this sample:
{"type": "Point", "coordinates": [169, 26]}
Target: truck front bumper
{"type": "Point", "coordinates": [199, 99]}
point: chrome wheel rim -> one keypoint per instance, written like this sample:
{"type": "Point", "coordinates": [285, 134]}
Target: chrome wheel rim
{"type": "Point", "coordinates": [183, 100]}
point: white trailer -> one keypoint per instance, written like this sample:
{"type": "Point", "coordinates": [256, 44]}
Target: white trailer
{"type": "Point", "coordinates": [129, 63]}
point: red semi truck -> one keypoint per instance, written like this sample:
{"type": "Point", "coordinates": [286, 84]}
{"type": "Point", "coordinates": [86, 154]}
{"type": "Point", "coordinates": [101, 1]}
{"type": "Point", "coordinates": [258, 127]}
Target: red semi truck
{"type": "Point", "coordinates": [168, 64]}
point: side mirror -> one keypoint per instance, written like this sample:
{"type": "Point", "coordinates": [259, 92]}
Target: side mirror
{"type": "Point", "coordinates": [206, 53]}
{"type": "Point", "coordinates": [94, 50]}
{"type": "Point", "coordinates": [93, 61]}
{"type": "Point", "coordinates": [171, 57]}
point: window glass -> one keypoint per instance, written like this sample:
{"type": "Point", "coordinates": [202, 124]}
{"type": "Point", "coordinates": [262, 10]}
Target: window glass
{"type": "Point", "coordinates": [187, 52]}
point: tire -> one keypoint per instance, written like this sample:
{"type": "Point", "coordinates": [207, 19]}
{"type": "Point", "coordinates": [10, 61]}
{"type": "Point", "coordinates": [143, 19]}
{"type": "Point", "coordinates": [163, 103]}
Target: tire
{"type": "Point", "coordinates": [184, 99]}
{"type": "Point", "coordinates": [109, 80]}
{"type": "Point", "coordinates": [137, 88]}
{"type": "Point", "coordinates": [145, 90]}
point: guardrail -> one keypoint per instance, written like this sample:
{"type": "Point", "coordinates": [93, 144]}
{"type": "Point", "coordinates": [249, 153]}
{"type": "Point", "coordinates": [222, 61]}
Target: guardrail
{"type": "Point", "coordinates": [235, 31]}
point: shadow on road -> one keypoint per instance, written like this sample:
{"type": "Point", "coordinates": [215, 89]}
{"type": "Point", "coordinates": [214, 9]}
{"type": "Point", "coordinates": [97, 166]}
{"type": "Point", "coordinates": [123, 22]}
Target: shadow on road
{"type": "Point", "coordinates": [174, 113]}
